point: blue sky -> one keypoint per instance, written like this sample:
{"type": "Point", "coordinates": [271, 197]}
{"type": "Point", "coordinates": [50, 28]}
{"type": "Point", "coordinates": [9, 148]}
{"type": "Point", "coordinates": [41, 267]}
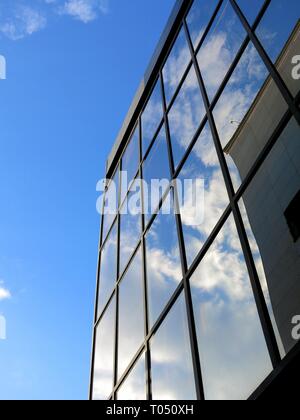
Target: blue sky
{"type": "Point", "coordinates": [73, 67]}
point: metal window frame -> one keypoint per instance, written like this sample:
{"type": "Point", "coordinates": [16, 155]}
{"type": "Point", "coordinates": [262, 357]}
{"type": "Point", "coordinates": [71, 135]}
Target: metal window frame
{"type": "Point", "coordinates": [179, 22]}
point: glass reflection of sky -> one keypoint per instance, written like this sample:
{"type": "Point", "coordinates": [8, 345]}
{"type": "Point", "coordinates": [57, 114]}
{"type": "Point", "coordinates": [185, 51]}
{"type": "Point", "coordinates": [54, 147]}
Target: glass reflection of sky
{"type": "Point", "coordinates": [261, 271]}
{"type": "Point", "coordinates": [156, 167]}
{"type": "Point", "coordinates": [134, 387]}
{"type": "Point", "coordinates": [104, 355]}
{"type": "Point", "coordinates": [151, 117]}
{"type": "Point", "coordinates": [250, 8]}
{"type": "Point", "coordinates": [130, 224]}
{"type": "Point", "coordinates": [176, 65]}
{"type": "Point", "coordinates": [171, 359]}
{"type": "Point", "coordinates": [237, 98]}
{"type": "Point", "coordinates": [278, 24]}
{"type": "Point", "coordinates": [233, 352]}
{"type": "Point", "coordinates": [198, 18]}
{"type": "Point", "coordinates": [131, 313]}
{"type": "Point", "coordinates": [112, 191]}
{"type": "Point", "coordinates": [202, 164]}
{"type": "Point", "coordinates": [130, 162]}
{"type": "Point", "coordinates": [108, 269]}
{"type": "Point", "coordinates": [185, 116]}
{"type": "Point", "coordinates": [220, 48]}
{"type": "Point", "coordinates": [163, 263]}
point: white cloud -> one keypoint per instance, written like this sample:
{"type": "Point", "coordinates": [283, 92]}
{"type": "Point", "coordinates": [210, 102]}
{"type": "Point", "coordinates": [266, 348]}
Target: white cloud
{"type": "Point", "coordinates": [25, 21]}
{"type": "Point", "coordinates": [4, 293]}
{"type": "Point", "coordinates": [84, 10]}
{"type": "Point", "coordinates": [23, 18]}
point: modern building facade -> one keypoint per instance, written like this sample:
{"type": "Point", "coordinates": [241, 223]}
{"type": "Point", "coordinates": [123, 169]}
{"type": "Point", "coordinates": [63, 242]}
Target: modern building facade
{"type": "Point", "coordinates": [190, 310]}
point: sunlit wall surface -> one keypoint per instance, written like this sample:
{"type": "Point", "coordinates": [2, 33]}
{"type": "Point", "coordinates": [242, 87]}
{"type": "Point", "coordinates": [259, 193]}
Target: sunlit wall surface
{"type": "Point", "coordinates": [205, 311]}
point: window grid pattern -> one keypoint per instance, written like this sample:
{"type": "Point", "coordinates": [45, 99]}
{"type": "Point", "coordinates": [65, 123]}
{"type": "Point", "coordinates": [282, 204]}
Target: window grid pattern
{"type": "Point", "coordinates": [232, 209]}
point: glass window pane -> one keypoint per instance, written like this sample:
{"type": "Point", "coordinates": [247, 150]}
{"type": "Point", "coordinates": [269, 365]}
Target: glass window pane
{"type": "Point", "coordinates": [279, 32]}
{"type": "Point", "coordinates": [151, 117]}
{"type": "Point", "coordinates": [108, 268]}
{"type": "Point", "coordinates": [131, 313]}
{"type": "Point", "coordinates": [134, 387]}
{"type": "Point", "coordinates": [274, 245]}
{"type": "Point", "coordinates": [203, 194]}
{"type": "Point", "coordinates": [164, 271]}
{"type": "Point", "coordinates": [185, 116]}
{"type": "Point", "coordinates": [130, 163]}
{"type": "Point", "coordinates": [232, 347]}
{"type": "Point", "coordinates": [130, 224]}
{"type": "Point", "coordinates": [111, 204]}
{"type": "Point", "coordinates": [220, 48]}
{"type": "Point", "coordinates": [171, 358]}
{"type": "Point", "coordinates": [104, 355]}
{"type": "Point", "coordinates": [247, 114]}
{"type": "Point", "coordinates": [250, 8]}
{"type": "Point", "coordinates": [176, 65]}
{"type": "Point", "coordinates": [156, 168]}
{"type": "Point", "coordinates": [198, 18]}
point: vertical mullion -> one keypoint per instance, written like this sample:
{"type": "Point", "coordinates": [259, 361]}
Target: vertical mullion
{"type": "Point", "coordinates": [146, 307]}
{"type": "Point", "coordinates": [187, 290]}
{"type": "Point", "coordinates": [268, 62]}
{"type": "Point", "coordinates": [254, 278]}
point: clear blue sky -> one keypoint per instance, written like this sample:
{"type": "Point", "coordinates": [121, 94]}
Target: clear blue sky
{"type": "Point", "coordinates": [71, 75]}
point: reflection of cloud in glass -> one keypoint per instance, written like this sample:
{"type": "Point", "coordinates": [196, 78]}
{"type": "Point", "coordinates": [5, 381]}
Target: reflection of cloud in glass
{"type": "Point", "coordinates": [131, 313]}
{"type": "Point", "coordinates": [130, 162]}
{"type": "Point", "coordinates": [104, 355]}
{"type": "Point", "coordinates": [239, 94]}
{"type": "Point", "coordinates": [156, 167]}
{"type": "Point", "coordinates": [111, 201]}
{"type": "Point", "coordinates": [130, 227]}
{"type": "Point", "coordinates": [163, 263]}
{"type": "Point", "coordinates": [260, 271]}
{"type": "Point", "coordinates": [203, 164]}
{"type": "Point", "coordinates": [171, 361]}
{"type": "Point", "coordinates": [134, 387]}
{"type": "Point", "coordinates": [151, 117]}
{"type": "Point", "coordinates": [108, 268]}
{"type": "Point", "coordinates": [198, 18]}
{"type": "Point", "coordinates": [220, 48]}
{"type": "Point", "coordinates": [234, 355]}
{"type": "Point", "coordinates": [185, 115]}
{"type": "Point", "coordinates": [176, 65]}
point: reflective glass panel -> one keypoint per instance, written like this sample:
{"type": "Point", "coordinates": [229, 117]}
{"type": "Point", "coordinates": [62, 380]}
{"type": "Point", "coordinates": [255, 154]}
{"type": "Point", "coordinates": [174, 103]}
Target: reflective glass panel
{"type": "Point", "coordinates": [250, 8]}
{"type": "Point", "coordinates": [131, 313]}
{"type": "Point", "coordinates": [247, 114]}
{"type": "Point", "coordinates": [156, 174]}
{"type": "Point", "coordinates": [203, 194]}
{"type": "Point", "coordinates": [130, 224]}
{"type": "Point", "coordinates": [134, 387]}
{"type": "Point", "coordinates": [220, 48]}
{"type": "Point", "coordinates": [104, 355]}
{"type": "Point", "coordinates": [279, 32]}
{"type": "Point", "coordinates": [199, 17]}
{"type": "Point", "coordinates": [151, 117]}
{"type": "Point", "coordinates": [270, 209]}
{"type": "Point", "coordinates": [130, 163]}
{"type": "Point", "coordinates": [108, 268]}
{"type": "Point", "coordinates": [185, 116]}
{"type": "Point", "coordinates": [233, 352]}
{"type": "Point", "coordinates": [171, 358]}
{"type": "Point", "coordinates": [176, 65]}
{"type": "Point", "coordinates": [111, 204]}
{"type": "Point", "coordinates": [163, 264]}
